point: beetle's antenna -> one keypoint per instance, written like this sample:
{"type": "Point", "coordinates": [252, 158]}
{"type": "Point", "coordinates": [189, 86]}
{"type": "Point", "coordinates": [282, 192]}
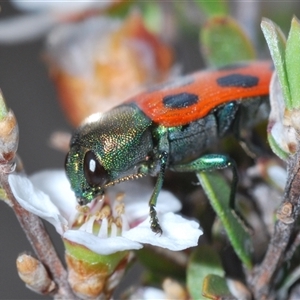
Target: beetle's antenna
{"type": "Point", "coordinates": [126, 178]}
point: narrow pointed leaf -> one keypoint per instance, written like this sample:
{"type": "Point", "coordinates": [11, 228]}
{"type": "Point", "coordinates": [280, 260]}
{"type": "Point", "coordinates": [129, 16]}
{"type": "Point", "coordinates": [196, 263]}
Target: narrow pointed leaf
{"type": "Point", "coordinates": [203, 261]}
{"type": "Point", "coordinates": [292, 59]}
{"type": "Point", "coordinates": [160, 263]}
{"type": "Point", "coordinates": [218, 192]}
{"type": "Point", "coordinates": [276, 148]}
{"type": "Point", "coordinates": [277, 42]}
{"type": "Point", "coordinates": [224, 42]}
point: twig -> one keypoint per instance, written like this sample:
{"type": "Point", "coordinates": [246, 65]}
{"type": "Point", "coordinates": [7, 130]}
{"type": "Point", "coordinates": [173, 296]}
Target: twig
{"type": "Point", "coordinates": [30, 223]}
{"type": "Point", "coordinates": [293, 247]}
{"type": "Point", "coordinates": [40, 242]}
{"type": "Point", "coordinates": [260, 279]}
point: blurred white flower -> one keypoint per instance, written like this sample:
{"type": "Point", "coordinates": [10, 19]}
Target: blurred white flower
{"type": "Point", "coordinates": [42, 16]}
{"type": "Point", "coordinates": [148, 293]}
{"type": "Point", "coordinates": [119, 222]}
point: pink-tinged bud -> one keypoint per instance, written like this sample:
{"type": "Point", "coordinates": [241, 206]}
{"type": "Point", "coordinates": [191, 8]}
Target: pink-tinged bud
{"type": "Point", "coordinates": [101, 62]}
{"type": "Point", "coordinates": [238, 289]}
{"type": "Point", "coordinates": [9, 137]}
{"type": "Point", "coordinates": [174, 290]}
{"type": "Point", "coordinates": [34, 274]}
{"type": "Point", "coordinates": [90, 274]}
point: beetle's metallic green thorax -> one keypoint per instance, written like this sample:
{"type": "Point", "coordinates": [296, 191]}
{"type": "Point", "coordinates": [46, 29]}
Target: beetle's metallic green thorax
{"type": "Point", "coordinates": [120, 141]}
{"type": "Point", "coordinates": [117, 137]}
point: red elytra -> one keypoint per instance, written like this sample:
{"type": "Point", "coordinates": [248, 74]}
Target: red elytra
{"type": "Point", "coordinates": [201, 92]}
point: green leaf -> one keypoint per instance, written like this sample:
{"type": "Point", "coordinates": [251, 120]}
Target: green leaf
{"type": "Point", "coordinates": [276, 148]}
{"type": "Point", "coordinates": [160, 263]}
{"type": "Point", "coordinates": [213, 8]}
{"type": "Point", "coordinates": [203, 261]}
{"type": "Point", "coordinates": [277, 42]}
{"type": "Point", "coordinates": [292, 59]}
{"type": "Point", "coordinates": [215, 287]}
{"type": "Point", "coordinates": [218, 192]}
{"type": "Point", "coordinates": [152, 16]}
{"type": "Point", "coordinates": [224, 42]}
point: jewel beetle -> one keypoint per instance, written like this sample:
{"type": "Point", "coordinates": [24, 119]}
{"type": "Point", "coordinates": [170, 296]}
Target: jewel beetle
{"type": "Point", "coordinates": [169, 126]}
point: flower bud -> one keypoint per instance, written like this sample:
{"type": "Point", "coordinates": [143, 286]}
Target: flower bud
{"type": "Point", "coordinates": [238, 289]}
{"type": "Point", "coordinates": [98, 63]}
{"type": "Point", "coordinates": [34, 274]}
{"type": "Point", "coordinates": [90, 274]}
{"type": "Point", "coordinates": [9, 137]}
{"type": "Point", "coordinates": [174, 290]}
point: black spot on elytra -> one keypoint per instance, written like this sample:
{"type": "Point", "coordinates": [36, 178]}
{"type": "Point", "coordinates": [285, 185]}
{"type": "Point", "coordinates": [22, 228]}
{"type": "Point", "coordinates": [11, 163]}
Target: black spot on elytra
{"type": "Point", "coordinates": [238, 80]}
{"type": "Point", "coordinates": [180, 100]}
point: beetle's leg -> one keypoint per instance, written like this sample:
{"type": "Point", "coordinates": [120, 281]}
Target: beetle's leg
{"type": "Point", "coordinates": [211, 162]}
{"type": "Point", "coordinates": [243, 118]}
{"type": "Point", "coordinates": [154, 223]}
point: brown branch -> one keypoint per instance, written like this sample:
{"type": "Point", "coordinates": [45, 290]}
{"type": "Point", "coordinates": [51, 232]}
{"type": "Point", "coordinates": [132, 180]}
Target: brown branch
{"type": "Point", "coordinates": [260, 279]}
{"type": "Point", "coordinates": [293, 247]}
{"type": "Point", "coordinates": [40, 242]}
{"type": "Point", "coordinates": [30, 223]}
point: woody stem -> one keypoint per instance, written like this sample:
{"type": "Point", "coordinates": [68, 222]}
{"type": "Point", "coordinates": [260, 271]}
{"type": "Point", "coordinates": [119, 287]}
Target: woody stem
{"type": "Point", "coordinates": [40, 242]}
{"type": "Point", "coordinates": [288, 213]}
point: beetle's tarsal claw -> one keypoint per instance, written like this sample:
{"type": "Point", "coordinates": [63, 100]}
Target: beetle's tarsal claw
{"type": "Point", "coordinates": [154, 223]}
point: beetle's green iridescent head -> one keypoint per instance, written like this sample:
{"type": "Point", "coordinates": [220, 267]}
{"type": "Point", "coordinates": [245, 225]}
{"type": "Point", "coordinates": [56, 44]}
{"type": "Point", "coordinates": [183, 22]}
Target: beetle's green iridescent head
{"type": "Point", "coordinates": [106, 148]}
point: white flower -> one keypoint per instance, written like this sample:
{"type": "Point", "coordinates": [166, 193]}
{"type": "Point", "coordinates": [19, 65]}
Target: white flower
{"type": "Point", "coordinates": [42, 16]}
{"type": "Point", "coordinates": [148, 293]}
{"type": "Point", "coordinates": [118, 222]}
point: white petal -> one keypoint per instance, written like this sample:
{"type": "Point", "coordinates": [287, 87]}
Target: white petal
{"type": "Point", "coordinates": [25, 28]}
{"type": "Point", "coordinates": [59, 6]}
{"type": "Point", "coordinates": [178, 233]}
{"type": "Point", "coordinates": [75, 47]}
{"type": "Point", "coordinates": [148, 293]}
{"type": "Point", "coordinates": [35, 201]}
{"type": "Point", "coordinates": [99, 245]}
{"type": "Point", "coordinates": [56, 184]}
{"type": "Point", "coordinates": [166, 202]}
{"type": "Point", "coordinates": [137, 195]}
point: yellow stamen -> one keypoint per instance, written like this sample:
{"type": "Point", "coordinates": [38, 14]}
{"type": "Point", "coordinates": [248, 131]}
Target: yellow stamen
{"type": "Point", "coordinates": [105, 212]}
{"type": "Point", "coordinates": [80, 220]}
{"type": "Point", "coordinates": [120, 209]}
{"type": "Point", "coordinates": [118, 222]}
{"type": "Point", "coordinates": [120, 197]}
{"type": "Point", "coordinates": [82, 209]}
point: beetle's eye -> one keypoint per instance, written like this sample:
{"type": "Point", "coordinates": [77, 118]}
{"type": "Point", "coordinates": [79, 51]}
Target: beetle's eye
{"type": "Point", "coordinates": [94, 173]}
{"type": "Point", "coordinates": [66, 160]}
